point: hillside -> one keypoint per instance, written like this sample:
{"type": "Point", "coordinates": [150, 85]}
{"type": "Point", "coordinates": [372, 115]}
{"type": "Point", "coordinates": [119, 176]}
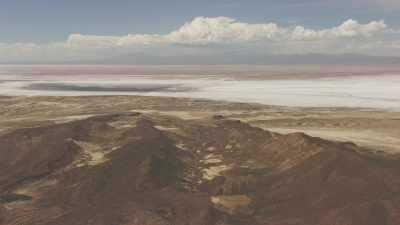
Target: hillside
{"type": "Point", "coordinates": [134, 168]}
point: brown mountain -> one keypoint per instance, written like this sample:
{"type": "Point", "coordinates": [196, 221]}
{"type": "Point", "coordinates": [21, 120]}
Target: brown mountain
{"type": "Point", "coordinates": [134, 169]}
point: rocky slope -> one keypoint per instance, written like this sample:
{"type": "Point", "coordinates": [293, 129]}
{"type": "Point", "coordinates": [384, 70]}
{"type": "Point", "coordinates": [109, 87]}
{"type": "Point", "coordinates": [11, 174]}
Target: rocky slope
{"type": "Point", "coordinates": [135, 169]}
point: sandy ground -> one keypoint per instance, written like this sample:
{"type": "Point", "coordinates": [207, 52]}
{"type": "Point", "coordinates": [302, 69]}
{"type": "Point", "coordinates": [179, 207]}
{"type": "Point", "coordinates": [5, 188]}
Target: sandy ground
{"type": "Point", "coordinates": [378, 130]}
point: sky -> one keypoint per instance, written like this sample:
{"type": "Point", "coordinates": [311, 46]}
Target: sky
{"type": "Point", "coordinates": [65, 30]}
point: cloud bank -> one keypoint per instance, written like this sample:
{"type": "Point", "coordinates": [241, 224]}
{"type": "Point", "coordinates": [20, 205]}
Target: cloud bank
{"type": "Point", "coordinates": [218, 34]}
{"type": "Point", "coordinates": [223, 30]}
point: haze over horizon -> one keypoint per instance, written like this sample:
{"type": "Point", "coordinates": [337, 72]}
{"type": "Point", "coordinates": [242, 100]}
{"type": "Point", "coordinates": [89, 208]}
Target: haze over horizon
{"type": "Point", "coordinates": [207, 32]}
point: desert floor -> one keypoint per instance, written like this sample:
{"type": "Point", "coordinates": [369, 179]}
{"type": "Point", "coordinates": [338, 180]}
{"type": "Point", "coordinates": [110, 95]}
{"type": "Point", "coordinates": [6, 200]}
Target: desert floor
{"type": "Point", "coordinates": [374, 129]}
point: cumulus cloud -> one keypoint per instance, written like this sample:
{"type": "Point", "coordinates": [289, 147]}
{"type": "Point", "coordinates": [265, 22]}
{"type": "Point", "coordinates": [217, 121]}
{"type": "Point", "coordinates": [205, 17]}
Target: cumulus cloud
{"type": "Point", "coordinates": [349, 28]}
{"type": "Point", "coordinates": [203, 30]}
{"type": "Point", "coordinates": [222, 30]}
{"type": "Point", "coordinates": [348, 37]}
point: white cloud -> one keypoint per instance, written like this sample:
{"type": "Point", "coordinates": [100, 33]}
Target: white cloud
{"type": "Point", "coordinates": [203, 30]}
{"type": "Point", "coordinates": [349, 28]}
{"type": "Point", "coordinates": [348, 37]}
{"type": "Point", "coordinates": [77, 40]}
{"type": "Point", "coordinates": [222, 30]}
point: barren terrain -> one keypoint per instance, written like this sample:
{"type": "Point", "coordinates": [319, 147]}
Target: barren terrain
{"type": "Point", "coordinates": [131, 160]}
{"type": "Point", "coordinates": [367, 127]}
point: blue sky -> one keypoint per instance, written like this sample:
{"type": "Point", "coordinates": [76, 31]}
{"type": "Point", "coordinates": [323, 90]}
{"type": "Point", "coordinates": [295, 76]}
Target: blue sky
{"type": "Point", "coordinates": [53, 20]}
{"type": "Point", "coordinates": [84, 29]}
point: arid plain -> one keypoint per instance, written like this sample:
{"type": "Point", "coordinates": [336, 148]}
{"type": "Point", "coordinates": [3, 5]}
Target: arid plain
{"type": "Point", "coordinates": [132, 160]}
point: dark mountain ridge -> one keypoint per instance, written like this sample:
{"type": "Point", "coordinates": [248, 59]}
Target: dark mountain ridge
{"type": "Point", "coordinates": [131, 169]}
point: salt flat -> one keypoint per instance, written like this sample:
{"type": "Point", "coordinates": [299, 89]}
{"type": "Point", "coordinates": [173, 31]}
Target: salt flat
{"type": "Point", "coordinates": [361, 91]}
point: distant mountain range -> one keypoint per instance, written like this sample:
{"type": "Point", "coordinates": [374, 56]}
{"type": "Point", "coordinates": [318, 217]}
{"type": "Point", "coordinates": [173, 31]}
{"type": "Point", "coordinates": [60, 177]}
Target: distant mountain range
{"type": "Point", "coordinates": [232, 58]}
{"type": "Point", "coordinates": [240, 58]}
